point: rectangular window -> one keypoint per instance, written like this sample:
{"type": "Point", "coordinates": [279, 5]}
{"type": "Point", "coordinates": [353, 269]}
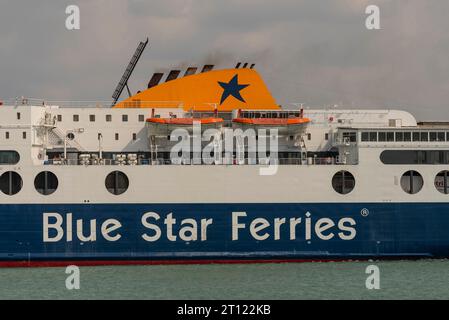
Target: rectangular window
{"type": "Point", "coordinates": [124, 117]}
{"type": "Point", "coordinates": [424, 136]}
{"type": "Point", "coordinates": [382, 136]}
{"type": "Point", "coordinates": [116, 136]}
{"type": "Point", "coordinates": [92, 118]}
{"type": "Point", "coordinates": [134, 136]}
{"type": "Point", "coordinates": [141, 118]}
{"type": "Point", "coordinates": [447, 136]}
{"type": "Point", "coordinates": [407, 136]}
{"type": "Point", "coordinates": [373, 136]}
{"type": "Point", "coordinates": [309, 136]}
{"type": "Point", "coordinates": [76, 118]}
{"type": "Point", "coordinates": [326, 136]}
{"type": "Point", "coordinates": [59, 117]}
{"type": "Point", "coordinates": [18, 115]}
{"type": "Point", "coordinates": [433, 136]}
{"type": "Point", "coordinates": [7, 135]}
{"type": "Point", "coordinates": [441, 136]}
{"type": "Point", "coordinates": [24, 135]}
{"type": "Point", "coordinates": [365, 136]}
{"type": "Point", "coordinates": [350, 136]}
{"type": "Point", "coordinates": [390, 136]}
{"type": "Point", "coordinates": [416, 136]}
{"type": "Point", "coordinates": [399, 136]}
{"type": "Point", "coordinates": [108, 118]}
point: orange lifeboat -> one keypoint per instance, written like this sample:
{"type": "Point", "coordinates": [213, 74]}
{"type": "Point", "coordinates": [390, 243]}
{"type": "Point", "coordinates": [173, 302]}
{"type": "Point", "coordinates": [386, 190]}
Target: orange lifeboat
{"type": "Point", "coordinates": [185, 121]}
{"type": "Point", "coordinates": [272, 121]}
{"type": "Point", "coordinates": [287, 123]}
{"type": "Point", "coordinates": [164, 126]}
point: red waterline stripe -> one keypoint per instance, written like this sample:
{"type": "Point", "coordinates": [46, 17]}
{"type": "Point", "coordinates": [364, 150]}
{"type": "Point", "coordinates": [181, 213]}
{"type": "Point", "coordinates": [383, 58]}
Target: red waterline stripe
{"type": "Point", "coordinates": [86, 263]}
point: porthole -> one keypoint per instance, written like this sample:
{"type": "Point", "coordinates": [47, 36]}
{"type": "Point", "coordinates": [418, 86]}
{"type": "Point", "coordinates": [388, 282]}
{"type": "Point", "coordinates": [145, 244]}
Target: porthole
{"type": "Point", "coordinates": [10, 183]}
{"type": "Point", "coordinates": [412, 182]}
{"type": "Point", "coordinates": [70, 136]}
{"type": "Point", "coordinates": [46, 183]}
{"type": "Point", "coordinates": [442, 182]}
{"type": "Point", "coordinates": [343, 182]}
{"type": "Point", "coordinates": [117, 182]}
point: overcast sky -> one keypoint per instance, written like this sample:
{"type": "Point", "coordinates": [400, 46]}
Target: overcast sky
{"type": "Point", "coordinates": [317, 52]}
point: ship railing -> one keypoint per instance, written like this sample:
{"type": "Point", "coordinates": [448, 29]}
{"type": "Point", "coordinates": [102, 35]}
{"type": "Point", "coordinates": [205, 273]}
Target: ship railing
{"type": "Point", "coordinates": [23, 101]}
{"type": "Point", "coordinates": [161, 161]}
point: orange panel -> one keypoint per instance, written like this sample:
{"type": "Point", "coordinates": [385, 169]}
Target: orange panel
{"type": "Point", "coordinates": [225, 89]}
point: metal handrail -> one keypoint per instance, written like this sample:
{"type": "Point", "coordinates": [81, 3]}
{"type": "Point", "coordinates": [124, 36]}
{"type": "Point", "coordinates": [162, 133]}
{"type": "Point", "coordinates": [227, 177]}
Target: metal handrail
{"type": "Point", "coordinates": [160, 161]}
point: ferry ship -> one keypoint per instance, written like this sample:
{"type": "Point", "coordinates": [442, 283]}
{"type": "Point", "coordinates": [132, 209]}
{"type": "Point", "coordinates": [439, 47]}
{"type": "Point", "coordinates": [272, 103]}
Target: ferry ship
{"type": "Point", "coordinates": [162, 177]}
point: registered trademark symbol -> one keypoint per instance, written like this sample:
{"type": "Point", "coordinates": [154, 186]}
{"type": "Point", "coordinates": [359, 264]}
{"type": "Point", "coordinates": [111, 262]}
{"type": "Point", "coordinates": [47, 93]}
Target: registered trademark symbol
{"type": "Point", "coordinates": [364, 212]}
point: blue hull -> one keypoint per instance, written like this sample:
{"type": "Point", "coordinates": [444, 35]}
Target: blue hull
{"type": "Point", "coordinates": [44, 232]}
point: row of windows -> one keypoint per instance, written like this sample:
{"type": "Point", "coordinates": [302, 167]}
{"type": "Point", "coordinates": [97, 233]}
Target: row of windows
{"type": "Point", "coordinates": [108, 117]}
{"type": "Point", "coordinates": [415, 136]}
{"type": "Point", "coordinates": [412, 182]}
{"type": "Point", "coordinates": [46, 183]}
{"type": "Point", "coordinates": [8, 135]}
{"type": "Point", "coordinates": [117, 182]}
{"type": "Point", "coordinates": [71, 136]}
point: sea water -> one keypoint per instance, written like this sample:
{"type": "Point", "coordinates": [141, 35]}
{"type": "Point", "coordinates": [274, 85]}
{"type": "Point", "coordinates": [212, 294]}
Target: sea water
{"type": "Point", "coordinates": [423, 279]}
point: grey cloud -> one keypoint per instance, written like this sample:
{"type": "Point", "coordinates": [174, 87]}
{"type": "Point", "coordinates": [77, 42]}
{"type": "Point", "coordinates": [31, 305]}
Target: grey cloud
{"type": "Point", "coordinates": [317, 52]}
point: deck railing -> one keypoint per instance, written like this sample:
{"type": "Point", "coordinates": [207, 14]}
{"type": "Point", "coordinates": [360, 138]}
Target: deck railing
{"type": "Point", "coordinates": [160, 161]}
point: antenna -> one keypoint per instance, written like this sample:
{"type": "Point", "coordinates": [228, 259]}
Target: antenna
{"type": "Point", "coordinates": [129, 70]}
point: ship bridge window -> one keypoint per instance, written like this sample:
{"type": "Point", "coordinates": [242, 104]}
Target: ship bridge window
{"type": "Point", "coordinates": [442, 182]}
{"type": "Point", "coordinates": [117, 182]}
{"type": "Point", "coordinates": [369, 136]}
{"type": "Point", "coordinates": [108, 118]}
{"type": "Point", "coordinates": [124, 117]}
{"type": "Point", "coordinates": [424, 136]}
{"type": "Point", "coordinates": [412, 182]}
{"type": "Point", "coordinates": [92, 118]}
{"type": "Point", "coordinates": [416, 136]}
{"type": "Point", "coordinates": [350, 136]}
{"type": "Point", "coordinates": [365, 136]}
{"type": "Point", "coordinates": [407, 136]}
{"type": "Point", "coordinates": [76, 118]}
{"type": "Point", "coordinates": [343, 182]}
{"type": "Point", "coordinates": [46, 183]}
{"type": "Point", "coordinates": [141, 118]}
{"type": "Point", "coordinates": [390, 136]}
{"type": "Point", "coordinates": [9, 157]}
{"type": "Point", "coordinates": [415, 157]}
{"type": "Point", "coordinates": [10, 183]}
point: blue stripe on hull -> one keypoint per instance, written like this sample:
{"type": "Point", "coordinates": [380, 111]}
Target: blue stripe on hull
{"type": "Point", "coordinates": [381, 230]}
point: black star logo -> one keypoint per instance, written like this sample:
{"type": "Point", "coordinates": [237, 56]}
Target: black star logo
{"type": "Point", "coordinates": [232, 88]}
